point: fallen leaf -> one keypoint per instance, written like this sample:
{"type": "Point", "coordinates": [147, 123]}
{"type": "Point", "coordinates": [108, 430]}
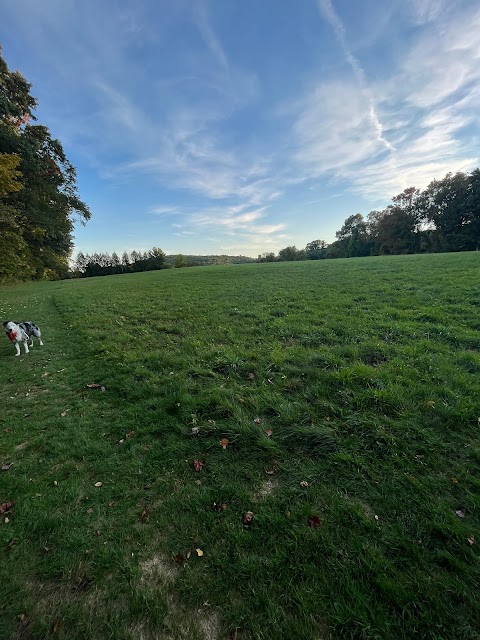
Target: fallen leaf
{"type": "Point", "coordinates": [460, 513]}
{"type": "Point", "coordinates": [144, 516]}
{"type": "Point", "coordinates": [270, 472]}
{"type": "Point", "coordinates": [430, 403]}
{"type": "Point", "coordinates": [90, 510]}
{"type": "Point", "coordinates": [94, 385]}
{"type": "Point", "coordinates": [55, 483]}
{"type": "Point", "coordinates": [304, 484]}
{"type": "Point", "coordinates": [471, 540]}
{"type": "Point", "coordinates": [47, 549]}
{"type": "Point", "coordinates": [98, 532]}
{"type": "Point", "coordinates": [248, 519]}
{"type": "Point", "coordinates": [454, 480]}
{"type": "Point", "coordinates": [21, 446]}
{"type": "Point", "coordinates": [121, 441]}
{"type": "Point", "coordinates": [268, 433]}
{"type": "Point", "coordinates": [179, 558]}
{"type": "Point", "coordinates": [224, 443]}
{"type": "Point", "coordinates": [198, 464]}
{"type": "Point", "coordinates": [98, 484]}
{"type": "Point", "coordinates": [258, 421]}
{"type": "Point", "coordinates": [251, 376]}
{"type": "Point", "coordinates": [189, 553]}
{"type": "Point", "coordinates": [130, 434]}
{"type": "Point", "coordinates": [63, 414]}
{"type": "Point", "coordinates": [7, 466]}
{"type": "Point", "coordinates": [195, 431]}
{"type": "Point", "coordinates": [218, 507]}
{"type": "Point", "coordinates": [376, 517]}
{"type": "Point", "coordinates": [199, 552]}
{"type": "Point", "coordinates": [21, 617]}
{"type": "Point", "coordinates": [6, 520]}
{"type": "Point", "coordinates": [314, 522]}
{"type": "Point", "coordinates": [110, 504]}
{"type": "Point", "coordinates": [6, 506]}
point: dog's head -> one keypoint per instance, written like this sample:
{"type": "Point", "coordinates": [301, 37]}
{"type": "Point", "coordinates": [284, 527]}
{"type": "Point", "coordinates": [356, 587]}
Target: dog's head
{"type": "Point", "coordinates": [11, 330]}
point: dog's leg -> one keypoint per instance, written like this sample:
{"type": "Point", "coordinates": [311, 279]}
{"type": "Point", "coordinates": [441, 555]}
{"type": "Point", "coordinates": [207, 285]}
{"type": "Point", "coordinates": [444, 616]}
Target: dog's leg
{"type": "Point", "coordinates": [17, 348]}
{"type": "Point", "coordinates": [25, 344]}
{"type": "Point", "coordinates": [31, 343]}
{"type": "Point", "coordinates": [40, 340]}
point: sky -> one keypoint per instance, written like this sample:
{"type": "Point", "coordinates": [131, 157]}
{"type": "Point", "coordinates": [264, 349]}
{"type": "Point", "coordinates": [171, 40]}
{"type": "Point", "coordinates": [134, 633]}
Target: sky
{"type": "Point", "coordinates": [244, 126]}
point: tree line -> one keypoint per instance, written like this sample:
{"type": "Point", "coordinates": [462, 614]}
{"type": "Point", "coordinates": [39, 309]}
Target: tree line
{"type": "Point", "coordinates": [38, 190]}
{"type": "Point", "coordinates": [443, 217]}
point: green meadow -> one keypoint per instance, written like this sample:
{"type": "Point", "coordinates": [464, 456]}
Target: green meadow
{"type": "Point", "coordinates": [337, 400]}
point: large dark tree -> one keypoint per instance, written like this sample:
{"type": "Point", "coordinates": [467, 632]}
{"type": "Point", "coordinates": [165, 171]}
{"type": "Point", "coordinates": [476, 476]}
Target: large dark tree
{"type": "Point", "coordinates": [43, 210]}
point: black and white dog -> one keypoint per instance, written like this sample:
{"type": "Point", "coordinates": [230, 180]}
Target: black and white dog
{"type": "Point", "coordinates": [19, 332]}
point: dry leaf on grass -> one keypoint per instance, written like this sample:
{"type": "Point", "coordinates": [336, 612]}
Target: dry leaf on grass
{"type": "Point", "coordinates": [257, 420]}
{"type": "Point", "coordinates": [460, 513]}
{"type": "Point", "coordinates": [95, 385]}
{"type": "Point", "coordinates": [199, 552]}
{"type": "Point", "coordinates": [144, 516]}
{"type": "Point", "coordinates": [198, 464]}
{"type": "Point", "coordinates": [98, 484]}
{"type": "Point", "coordinates": [304, 484]}
{"type": "Point", "coordinates": [7, 466]}
{"type": "Point", "coordinates": [454, 480]}
{"type": "Point", "coordinates": [195, 431]}
{"type": "Point", "coordinates": [224, 443]}
{"type": "Point", "coordinates": [268, 433]}
{"type": "Point", "coordinates": [6, 507]}
{"type": "Point", "coordinates": [219, 506]}
{"type": "Point", "coordinates": [471, 540]}
{"type": "Point", "coordinates": [248, 518]}
{"type": "Point", "coordinates": [314, 522]}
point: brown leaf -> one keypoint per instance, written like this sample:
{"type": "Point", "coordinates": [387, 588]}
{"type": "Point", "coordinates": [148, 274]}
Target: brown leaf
{"type": "Point", "coordinates": [7, 466]}
{"type": "Point", "coordinates": [251, 376]}
{"type": "Point", "coordinates": [248, 518]}
{"type": "Point", "coordinates": [90, 510]}
{"type": "Point", "coordinates": [94, 385]}
{"type": "Point", "coordinates": [144, 516]}
{"type": "Point", "coordinates": [189, 553]}
{"type": "Point", "coordinates": [21, 446]}
{"type": "Point", "coordinates": [218, 507]}
{"type": "Point", "coordinates": [199, 552]}
{"type": "Point", "coordinates": [314, 522]}
{"type": "Point", "coordinates": [454, 480]}
{"type": "Point", "coordinates": [471, 540]}
{"type": "Point", "coordinates": [257, 420]}
{"type": "Point", "coordinates": [268, 433]}
{"type": "Point", "coordinates": [304, 484]}
{"type": "Point", "coordinates": [224, 443]}
{"type": "Point", "coordinates": [56, 625]}
{"type": "Point", "coordinates": [63, 414]}
{"type": "Point", "coordinates": [460, 513]}
{"type": "Point", "coordinates": [6, 506]}
{"type": "Point", "coordinates": [98, 532]}
{"type": "Point", "coordinates": [130, 434]}
{"type": "Point", "coordinates": [198, 464]}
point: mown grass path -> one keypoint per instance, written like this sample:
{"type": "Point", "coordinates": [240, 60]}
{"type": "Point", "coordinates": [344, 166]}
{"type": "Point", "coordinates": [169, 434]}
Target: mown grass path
{"type": "Point", "coordinates": [349, 393]}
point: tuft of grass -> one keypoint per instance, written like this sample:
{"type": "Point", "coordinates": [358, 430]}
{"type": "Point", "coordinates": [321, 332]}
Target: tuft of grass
{"type": "Point", "coordinates": [347, 390]}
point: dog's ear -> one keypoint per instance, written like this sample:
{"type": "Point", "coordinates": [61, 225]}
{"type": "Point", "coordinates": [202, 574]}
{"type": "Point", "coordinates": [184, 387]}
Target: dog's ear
{"type": "Point", "coordinates": [5, 323]}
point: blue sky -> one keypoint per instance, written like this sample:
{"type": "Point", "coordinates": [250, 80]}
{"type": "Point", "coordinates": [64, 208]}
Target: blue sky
{"type": "Point", "coordinates": [243, 126]}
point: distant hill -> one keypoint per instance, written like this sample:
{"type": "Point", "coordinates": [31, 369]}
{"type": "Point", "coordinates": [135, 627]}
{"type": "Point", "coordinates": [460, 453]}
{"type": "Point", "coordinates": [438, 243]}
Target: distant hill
{"type": "Point", "coordinates": [206, 260]}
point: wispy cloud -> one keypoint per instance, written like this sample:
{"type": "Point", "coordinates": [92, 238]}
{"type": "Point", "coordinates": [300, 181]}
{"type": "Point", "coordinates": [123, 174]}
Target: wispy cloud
{"type": "Point", "coordinates": [329, 13]}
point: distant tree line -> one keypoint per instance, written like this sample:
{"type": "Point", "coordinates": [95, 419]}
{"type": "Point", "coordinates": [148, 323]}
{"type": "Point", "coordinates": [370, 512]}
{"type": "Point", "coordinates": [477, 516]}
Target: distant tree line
{"type": "Point", "coordinates": [38, 191]}
{"type": "Point", "coordinates": [105, 264]}
{"type": "Point", "coordinates": [443, 217]}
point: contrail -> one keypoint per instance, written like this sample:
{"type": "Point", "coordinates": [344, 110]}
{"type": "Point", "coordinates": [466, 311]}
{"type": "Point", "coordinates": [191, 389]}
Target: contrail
{"type": "Point", "coordinates": [326, 8]}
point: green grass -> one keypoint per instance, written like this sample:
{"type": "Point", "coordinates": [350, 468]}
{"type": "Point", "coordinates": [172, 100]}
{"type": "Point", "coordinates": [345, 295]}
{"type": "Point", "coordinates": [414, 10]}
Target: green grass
{"type": "Point", "coordinates": [367, 372]}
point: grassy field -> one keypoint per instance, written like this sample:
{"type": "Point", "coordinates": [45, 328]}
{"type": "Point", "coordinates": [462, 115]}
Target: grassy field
{"type": "Point", "coordinates": [349, 393]}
